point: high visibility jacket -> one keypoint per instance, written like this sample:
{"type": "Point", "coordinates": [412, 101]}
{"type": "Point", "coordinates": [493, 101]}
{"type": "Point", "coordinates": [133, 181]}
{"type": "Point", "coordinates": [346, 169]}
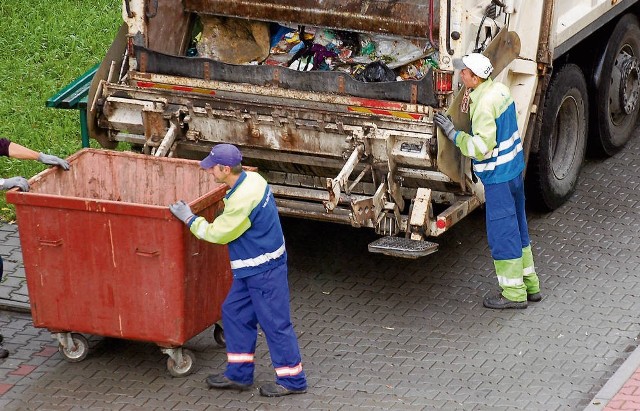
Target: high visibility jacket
{"type": "Point", "coordinates": [250, 225]}
{"type": "Point", "coordinates": [495, 146]}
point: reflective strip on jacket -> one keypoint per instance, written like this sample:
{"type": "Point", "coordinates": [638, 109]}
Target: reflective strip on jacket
{"type": "Point", "coordinates": [250, 225]}
{"type": "Point", "coordinates": [495, 146]}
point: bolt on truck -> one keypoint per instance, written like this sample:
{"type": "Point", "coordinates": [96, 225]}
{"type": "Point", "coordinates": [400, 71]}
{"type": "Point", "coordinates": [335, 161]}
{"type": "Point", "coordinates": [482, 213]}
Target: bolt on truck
{"type": "Point", "coordinates": [342, 149]}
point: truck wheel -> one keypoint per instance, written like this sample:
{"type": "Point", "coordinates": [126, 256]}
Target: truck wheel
{"type": "Point", "coordinates": [615, 102]}
{"type": "Point", "coordinates": [218, 335]}
{"type": "Point", "coordinates": [553, 170]}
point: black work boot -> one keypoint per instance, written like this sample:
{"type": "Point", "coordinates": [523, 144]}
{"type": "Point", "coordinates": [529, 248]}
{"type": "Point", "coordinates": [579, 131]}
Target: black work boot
{"type": "Point", "coordinates": [535, 297]}
{"type": "Point", "coordinates": [273, 389]}
{"type": "Point", "coordinates": [499, 302]}
{"type": "Point", "coordinates": [3, 352]}
{"type": "Point", "coordinates": [220, 381]}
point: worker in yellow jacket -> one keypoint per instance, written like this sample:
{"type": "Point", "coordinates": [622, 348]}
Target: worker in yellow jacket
{"type": "Point", "coordinates": [495, 149]}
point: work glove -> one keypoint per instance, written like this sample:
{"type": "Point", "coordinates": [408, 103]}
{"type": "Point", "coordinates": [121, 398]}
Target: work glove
{"type": "Point", "coordinates": [182, 211]}
{"type": "Point", "coordinates": [53, 161]}
{"type": "Point", "coordinates": [20, 182]}
{"type": "Point", "coordinates": [445, 125]}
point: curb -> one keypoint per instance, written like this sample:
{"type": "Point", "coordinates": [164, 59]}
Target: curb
{"type": "Point", "coordinates": [616, 382]}
{"type": "Point", "coordinates": [8, 305]}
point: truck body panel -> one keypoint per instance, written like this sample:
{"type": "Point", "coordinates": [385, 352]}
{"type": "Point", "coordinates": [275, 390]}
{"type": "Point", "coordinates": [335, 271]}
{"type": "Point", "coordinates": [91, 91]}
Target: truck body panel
{"type": "Point", "coordinates": [341, 149]}
{"type": "Point", "coordinates": [391, 17]}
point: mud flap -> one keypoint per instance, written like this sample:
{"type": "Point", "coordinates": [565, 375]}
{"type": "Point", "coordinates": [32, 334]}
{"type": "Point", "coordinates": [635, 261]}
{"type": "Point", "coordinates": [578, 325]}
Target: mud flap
{"type": "Point", "coordinates": [501, 51]}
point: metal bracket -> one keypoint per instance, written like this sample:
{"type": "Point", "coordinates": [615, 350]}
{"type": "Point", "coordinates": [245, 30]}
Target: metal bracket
{"type": "Point", "coordinates": [174, 353]}
{"type": "Point", "coordinates": [167, 141]}
{"type": "Point", "coordinates": [421, 213]}
{"type": "Point", "coordinates": [366, 212]}
{"type": "Point", "coordinates": [393, 180]}
{"type": "Point", "coordinates": [389, 222]}
{"type": "Point", "coordinates": [65, 339]}
{"type": "Point", "coordinates": [341, 180]}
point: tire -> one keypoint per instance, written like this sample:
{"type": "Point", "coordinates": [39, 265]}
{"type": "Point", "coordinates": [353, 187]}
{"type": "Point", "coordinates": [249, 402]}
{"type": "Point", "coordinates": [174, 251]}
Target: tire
{"type": "Point", "coordinates": [218, 335]}
{"type": "Point", "coordinates": [553, 170]}
{"type": "Point", "coordinates": [184, 369]}
{"type": "Point", "coordinates": [79, 350]}
{"type": "Point", "coordinates": [615, 105]}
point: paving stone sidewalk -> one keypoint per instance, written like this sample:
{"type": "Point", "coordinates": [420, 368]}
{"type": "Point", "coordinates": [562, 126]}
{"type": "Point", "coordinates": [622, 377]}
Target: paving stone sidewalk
{"type": "Point", "coordinates": [382, 333]}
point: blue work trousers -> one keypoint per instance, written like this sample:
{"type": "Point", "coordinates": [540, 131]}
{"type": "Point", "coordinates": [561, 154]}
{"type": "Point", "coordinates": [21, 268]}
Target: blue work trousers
{"type": "Point", "coordinates": [261, 299]}
{"type": "Point", "coordinates": [507, 230]}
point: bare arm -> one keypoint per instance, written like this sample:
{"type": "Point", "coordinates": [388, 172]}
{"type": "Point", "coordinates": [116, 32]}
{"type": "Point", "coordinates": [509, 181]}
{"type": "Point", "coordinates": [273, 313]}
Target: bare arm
{"type": "Point", "coordinates": [21, 152]}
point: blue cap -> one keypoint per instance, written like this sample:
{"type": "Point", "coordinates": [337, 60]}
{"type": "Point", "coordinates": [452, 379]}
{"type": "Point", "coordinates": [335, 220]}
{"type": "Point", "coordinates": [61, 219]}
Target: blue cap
{"type": "Point", "coordinates": [223, 154]}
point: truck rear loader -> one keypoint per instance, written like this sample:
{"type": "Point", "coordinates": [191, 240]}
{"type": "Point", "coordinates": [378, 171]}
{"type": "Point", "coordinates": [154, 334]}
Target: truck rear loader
{"type": "Point", "coordinates": [339, 148]}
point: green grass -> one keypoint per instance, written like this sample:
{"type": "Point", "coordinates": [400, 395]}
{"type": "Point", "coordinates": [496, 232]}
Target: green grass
{"type": "Point", "coordinates": [44, 45]}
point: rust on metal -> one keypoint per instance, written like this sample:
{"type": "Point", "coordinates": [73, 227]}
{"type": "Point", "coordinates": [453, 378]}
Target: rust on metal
{"type": "Point", "coordinates": [290, 139]}
{"type": "Point", "coordinates": [544, 49]}
{"type": "Point", "coordinates": [164, 30]}
{"type": "Point", "coordinates": [142, 64]}
{"type": "Point", "coordinates": [341, 84]}
{"type": "Point", "coordinates": [154, 126]}
{"type": "Point", "coordinates": [207, 70]}
{"type": "Point", "coordinates": [363, 211]}
{"type": "Point", "coordinates": [332, 195]}
{"type": "Point", "coordinates": [399, 17]}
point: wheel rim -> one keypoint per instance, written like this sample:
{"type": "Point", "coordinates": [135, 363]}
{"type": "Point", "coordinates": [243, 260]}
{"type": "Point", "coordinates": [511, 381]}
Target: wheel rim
{"type": "Point", "coordinates": [625, 82]}
{"type": "Point", "coordinates": [565, 137]}
{"type": "Point", "coordinates": [77, 351]}
{"type": "Point", "coordinates": [180, 369]}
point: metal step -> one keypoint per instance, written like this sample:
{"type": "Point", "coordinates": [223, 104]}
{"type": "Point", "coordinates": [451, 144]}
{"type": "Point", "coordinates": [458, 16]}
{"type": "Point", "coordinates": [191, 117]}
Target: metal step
{"type": "Point", "coordinates": [402, 247]}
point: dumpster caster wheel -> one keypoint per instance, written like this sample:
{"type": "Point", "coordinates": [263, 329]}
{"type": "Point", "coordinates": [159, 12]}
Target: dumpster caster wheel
{"type": "Point", "coordinates": [185, 367]}
{"type": "Point", "coordinates": [218, 335]}
{"type": "Point", "coordinates": [75, 349]}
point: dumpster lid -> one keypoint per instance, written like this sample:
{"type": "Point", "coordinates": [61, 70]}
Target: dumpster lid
{"type": "Point", "coordinates": [396, 17]}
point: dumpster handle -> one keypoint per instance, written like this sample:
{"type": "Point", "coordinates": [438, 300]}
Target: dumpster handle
{"type": "Point", "coordinates": [147, 253]}
{"type": "Point", "coordinates": [51, 243]}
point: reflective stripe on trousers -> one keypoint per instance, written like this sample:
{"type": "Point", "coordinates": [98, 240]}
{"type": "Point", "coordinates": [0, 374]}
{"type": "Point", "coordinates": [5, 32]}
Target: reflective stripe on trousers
{"type": "Point", "coordinates": [508, 236]}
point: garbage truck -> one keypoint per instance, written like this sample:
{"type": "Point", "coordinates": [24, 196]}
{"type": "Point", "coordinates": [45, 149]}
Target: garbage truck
{"type": "Point", "coordinates": [333, 100]}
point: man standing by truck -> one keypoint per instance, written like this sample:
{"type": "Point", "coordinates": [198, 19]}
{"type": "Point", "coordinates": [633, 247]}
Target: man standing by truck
{"type": "Point", "coordinates": [259, 294]}
{"type": "Point", "coordinates": [14, 150]}
{"type": "Point", "coordinates": [495, 149]}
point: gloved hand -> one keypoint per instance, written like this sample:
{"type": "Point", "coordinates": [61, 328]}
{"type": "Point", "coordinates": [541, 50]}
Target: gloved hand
{"type": "Point", "coordinates": [53, 161]}
{"type": "Point", "coordinates": [445, 125]}
{"type": "Point", "coordinates": [182, 210]}
{"type": "Point", "coordinates": [20, 182]}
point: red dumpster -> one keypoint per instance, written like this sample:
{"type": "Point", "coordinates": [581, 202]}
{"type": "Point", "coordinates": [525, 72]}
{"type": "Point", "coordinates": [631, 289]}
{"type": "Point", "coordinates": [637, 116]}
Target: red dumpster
{"type": "Point", "coordinates": [103, 255]}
